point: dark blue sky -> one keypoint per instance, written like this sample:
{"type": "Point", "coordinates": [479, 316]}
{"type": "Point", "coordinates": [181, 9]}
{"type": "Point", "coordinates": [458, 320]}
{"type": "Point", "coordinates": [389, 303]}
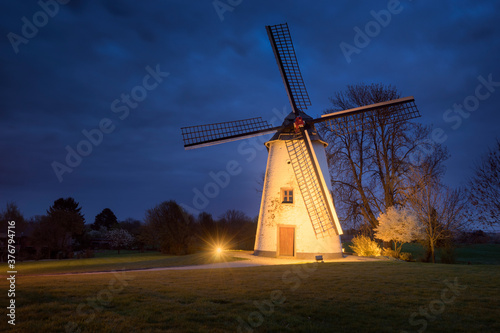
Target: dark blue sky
{"type": "Point", "coordinates": [129, 74]}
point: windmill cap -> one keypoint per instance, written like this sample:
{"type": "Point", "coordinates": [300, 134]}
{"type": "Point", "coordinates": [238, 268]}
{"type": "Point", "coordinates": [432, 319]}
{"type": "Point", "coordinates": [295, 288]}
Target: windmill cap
{"type": "Point", "coordinates": [287, 132]}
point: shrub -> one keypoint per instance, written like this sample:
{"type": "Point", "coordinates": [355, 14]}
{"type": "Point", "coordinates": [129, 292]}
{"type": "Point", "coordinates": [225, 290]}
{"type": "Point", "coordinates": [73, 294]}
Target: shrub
{"type": "Point", "coordinates": [365, 246]}
{"type": "Point", "coordinates": [389, 253]}
{"type": "Point", "coordinates": [406, 256]}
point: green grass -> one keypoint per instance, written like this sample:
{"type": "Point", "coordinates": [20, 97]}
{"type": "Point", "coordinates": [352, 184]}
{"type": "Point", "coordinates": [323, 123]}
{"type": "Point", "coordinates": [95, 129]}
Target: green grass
{"type": "Point", "coordinates": [111, 260]}
{"type": "Point", "coordinates": [378, 296]}
{"type": "Point", "coordinates": [479, 254]}
{"type": "Point", "coordinates": [464, 253]}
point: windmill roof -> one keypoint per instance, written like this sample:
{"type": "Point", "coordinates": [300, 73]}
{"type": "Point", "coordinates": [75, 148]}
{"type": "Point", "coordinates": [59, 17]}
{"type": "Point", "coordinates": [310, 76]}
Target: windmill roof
{"type": "Point", "coordinates": [285, 133]}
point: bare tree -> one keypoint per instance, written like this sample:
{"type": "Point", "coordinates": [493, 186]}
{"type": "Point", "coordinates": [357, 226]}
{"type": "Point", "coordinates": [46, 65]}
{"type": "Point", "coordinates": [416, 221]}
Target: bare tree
{"type": "Point", "coordinates": [11, 213]}
{"type": "Point", "coordinates": [169, 228]}
{"type": "Point", "coordinates": [484, 188]}
{"type": "Point", "coordinates": [439, 208]}
{"type": "Point", "coordinates": [238, 229]}
{"type": "Point", "coordinates": [369, 167]}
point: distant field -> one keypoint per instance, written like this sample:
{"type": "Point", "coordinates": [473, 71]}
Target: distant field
{"type": "Point", "coordinates": [110, 260]}
{"type": "Point", "coordinates": [380, 296]}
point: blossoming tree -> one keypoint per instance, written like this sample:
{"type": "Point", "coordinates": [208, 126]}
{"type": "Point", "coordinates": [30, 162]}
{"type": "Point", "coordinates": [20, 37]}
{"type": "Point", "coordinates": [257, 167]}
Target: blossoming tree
{"type": "Point", "coordinates": [399, 226]}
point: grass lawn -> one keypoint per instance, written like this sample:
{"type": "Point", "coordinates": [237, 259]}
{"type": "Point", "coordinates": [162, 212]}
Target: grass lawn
{"type": "Point", "coordinates": [111, 260]}
{"type": "Point", "coordinates": [478, 253]}
{"type": "Point", "coordinates": [380, 296]}
{"type": "Point", "coordinates": [464, 253]}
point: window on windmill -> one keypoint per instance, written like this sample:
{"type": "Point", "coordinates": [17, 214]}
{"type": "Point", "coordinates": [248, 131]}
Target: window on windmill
{"type": "Point", "coordinates": [287, 195]}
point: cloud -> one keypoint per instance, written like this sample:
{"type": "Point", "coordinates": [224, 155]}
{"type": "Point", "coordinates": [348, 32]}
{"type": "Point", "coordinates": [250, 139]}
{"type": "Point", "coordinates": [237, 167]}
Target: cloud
{"type": "Point", "coordinates": [65, 79]}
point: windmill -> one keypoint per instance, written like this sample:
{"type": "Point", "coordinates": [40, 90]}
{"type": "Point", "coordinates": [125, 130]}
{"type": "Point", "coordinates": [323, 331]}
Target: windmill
{"type": "Point", "coordinates": [297, 216]}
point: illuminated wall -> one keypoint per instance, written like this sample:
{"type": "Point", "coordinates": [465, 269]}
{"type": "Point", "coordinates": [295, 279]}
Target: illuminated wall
{"type": "Point", "coordinates": [273, 213]}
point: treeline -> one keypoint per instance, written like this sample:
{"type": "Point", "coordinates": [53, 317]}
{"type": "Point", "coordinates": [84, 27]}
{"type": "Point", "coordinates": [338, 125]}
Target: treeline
{"type": "Point", "coordinates": [62, 232]}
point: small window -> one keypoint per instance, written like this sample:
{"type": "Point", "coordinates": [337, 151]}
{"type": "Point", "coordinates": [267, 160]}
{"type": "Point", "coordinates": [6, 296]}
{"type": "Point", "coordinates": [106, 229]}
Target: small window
{"type": "Point", "coordinates": [287, 195]}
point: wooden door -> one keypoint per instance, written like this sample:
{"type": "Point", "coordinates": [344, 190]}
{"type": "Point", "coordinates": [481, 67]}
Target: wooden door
{"type": "Point", "coordinates": [286, 241]}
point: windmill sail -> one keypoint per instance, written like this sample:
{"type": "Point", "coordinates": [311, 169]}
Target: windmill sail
{"type": "Point", "coordinates": [365, 117]}
{"type": "Point", "coordinates": [317, 198]}
{"type": "Point", "coordinates": [213, 134]}
{"type": "Point", "coordinates": [281, 41]}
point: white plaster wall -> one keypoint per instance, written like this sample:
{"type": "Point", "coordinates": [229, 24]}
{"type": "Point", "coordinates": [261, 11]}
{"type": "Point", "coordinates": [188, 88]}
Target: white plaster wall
{"type": "Point", "coordinates": [272, 213]}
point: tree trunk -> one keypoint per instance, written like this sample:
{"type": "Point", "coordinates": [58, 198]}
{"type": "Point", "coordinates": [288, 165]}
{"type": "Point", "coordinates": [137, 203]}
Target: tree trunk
{"type": "Point", "coordinates": [433, 256]}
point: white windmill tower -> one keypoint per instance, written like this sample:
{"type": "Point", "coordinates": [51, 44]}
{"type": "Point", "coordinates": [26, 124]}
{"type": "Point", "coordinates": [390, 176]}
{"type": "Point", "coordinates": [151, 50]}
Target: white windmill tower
{"type": "Point", "coordinates": [297, 217]}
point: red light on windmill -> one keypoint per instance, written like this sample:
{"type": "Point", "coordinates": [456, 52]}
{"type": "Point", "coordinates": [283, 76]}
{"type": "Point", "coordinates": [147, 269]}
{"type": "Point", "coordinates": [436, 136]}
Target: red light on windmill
{"type": "Point", "coordinates": [298, 124]}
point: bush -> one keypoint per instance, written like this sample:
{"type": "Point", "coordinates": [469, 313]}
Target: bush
{"type": "Point", "coordinates": [365, 246]}
{"type": "Point", "coordinates": [389, 253]}
{"type": "Point", "coordinates": [406, 256]}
